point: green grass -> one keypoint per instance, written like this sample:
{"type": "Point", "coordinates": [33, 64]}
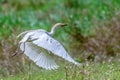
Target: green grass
{"type": "Point", "coordinates": [95, 71]}
{"type": "Point", "coordinates": [43, 14]}
{"type": "Point", "coordinates": [20, 15]}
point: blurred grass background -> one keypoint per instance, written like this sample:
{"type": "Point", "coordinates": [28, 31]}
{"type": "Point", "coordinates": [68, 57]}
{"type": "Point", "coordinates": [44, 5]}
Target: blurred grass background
{"type": "Point", "coordinates": [91, 36]}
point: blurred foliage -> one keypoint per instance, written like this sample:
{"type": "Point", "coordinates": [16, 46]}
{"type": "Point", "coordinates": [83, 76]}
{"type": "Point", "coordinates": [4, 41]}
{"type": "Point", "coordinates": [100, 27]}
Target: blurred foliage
{"type": "Point", "coordinates": [106, 42]}
{"type": "Point", "coordinates": [91, 23]}
{"type": "Point", "coordinates": [93, 71]}
{"type": "Point", "coordinates": [30, 14]}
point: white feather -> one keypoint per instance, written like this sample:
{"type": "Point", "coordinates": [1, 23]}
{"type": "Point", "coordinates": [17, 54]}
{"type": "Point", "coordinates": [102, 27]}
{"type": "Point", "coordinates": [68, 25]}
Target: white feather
{"type": "Point", "coordinates": [47, 42]}
{"type": "Point", "coordinates": [34, 40]}
{"type": "Point", "coordinates": [41, 59]}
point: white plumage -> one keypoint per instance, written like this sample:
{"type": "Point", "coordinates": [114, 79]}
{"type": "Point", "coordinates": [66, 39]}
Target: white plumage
{"type": "Point", "coordinates": [38, 44]}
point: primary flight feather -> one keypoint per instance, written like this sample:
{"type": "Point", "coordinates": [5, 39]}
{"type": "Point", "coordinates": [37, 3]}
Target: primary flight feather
{"type": "Point", "coordinates": [38, 44]}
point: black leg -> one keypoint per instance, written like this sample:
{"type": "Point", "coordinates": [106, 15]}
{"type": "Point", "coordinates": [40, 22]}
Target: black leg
{"type": "Point", "coordinates": [23, 47]}
{"type": "Point", "coordinates": [16, 52]}
{"type": "Point", "coordinates": [18, 49]}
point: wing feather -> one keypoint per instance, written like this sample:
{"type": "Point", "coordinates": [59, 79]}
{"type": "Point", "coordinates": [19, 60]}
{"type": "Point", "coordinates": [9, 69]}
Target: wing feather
{"type": "Point", "coordinates": [47, 42]}
{"type": "Point", "coordinates": [41, 59]}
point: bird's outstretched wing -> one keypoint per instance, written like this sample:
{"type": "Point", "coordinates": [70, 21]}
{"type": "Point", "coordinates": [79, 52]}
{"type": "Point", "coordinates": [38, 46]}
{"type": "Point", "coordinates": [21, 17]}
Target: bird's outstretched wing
{"type": "Point", "coordinates": [42, 59]}
{"type": "Point", "coordinates": [47, 42]}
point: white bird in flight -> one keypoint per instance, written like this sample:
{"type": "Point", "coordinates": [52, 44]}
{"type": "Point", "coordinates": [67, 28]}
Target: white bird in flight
{"type": "Point", "coordinates": [38, 45]}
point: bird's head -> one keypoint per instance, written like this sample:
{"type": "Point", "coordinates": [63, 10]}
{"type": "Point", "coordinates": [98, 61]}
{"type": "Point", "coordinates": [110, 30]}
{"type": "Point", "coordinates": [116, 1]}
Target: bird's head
{"type": "Point", "coordinates": [57, 25]}
{"type": "Point", "coordinates": [60, 25]}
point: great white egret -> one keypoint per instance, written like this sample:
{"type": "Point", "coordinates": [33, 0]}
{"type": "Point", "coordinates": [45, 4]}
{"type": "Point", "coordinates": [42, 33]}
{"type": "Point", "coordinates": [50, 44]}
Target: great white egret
{"type": "Point", "coordinates": [38, 45]}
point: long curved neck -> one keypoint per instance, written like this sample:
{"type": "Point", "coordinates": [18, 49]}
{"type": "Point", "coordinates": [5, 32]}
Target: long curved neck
{"type": "Point", "coordinates": [53, 29]}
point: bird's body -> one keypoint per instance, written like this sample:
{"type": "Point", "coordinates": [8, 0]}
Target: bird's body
{"type": "Point", "coordinates": [37, 44]}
